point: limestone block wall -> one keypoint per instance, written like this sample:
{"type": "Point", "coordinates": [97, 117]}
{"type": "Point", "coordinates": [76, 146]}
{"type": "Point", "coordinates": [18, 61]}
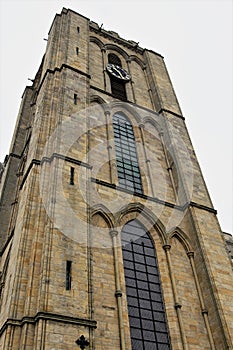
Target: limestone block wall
{"type": "Point", "coordinates": [74, 28]}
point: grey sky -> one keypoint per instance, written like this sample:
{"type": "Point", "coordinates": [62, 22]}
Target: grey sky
{"type": "Point", "coordinates": [195, 37]}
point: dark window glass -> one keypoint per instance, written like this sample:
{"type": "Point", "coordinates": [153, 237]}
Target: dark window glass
{"type": "Point", "coordinates": [126, 155]}
{"type": "Point", "coordinates": [114, 59]}
{"type": "Point", "coordinates": [68, 275]}
{"type": "Point", "coordinates": [117, 85]}
{"type": "Point", "coordinates": [118, 89]}
{"type": "Point", "coordinates": [75, 99]}
{"type": "Point", "coordinates": [148, 327]}
{"type": "Point", "coordinates": [71, 176]}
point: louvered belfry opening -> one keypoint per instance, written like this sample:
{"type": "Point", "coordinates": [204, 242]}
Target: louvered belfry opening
{"type": "Point", "coordinates": [117, 85]}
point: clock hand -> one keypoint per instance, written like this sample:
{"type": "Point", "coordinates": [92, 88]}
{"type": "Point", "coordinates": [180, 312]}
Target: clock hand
{"type": "Point", "coordinates": [120, 70]}
{"type": "Point", "coordinates": [124, 74]}
{"type": "Point", "coordinates": [115, 70]}
{"type": "Point", "coordinates": [121, 75]}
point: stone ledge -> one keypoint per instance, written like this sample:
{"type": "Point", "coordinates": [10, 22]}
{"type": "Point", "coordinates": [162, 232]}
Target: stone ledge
{"type": "Point", "coordinates": [59, 69]}
{"type": "Point", "coordinates": [50, 159]}
{"type": "Point", "coordinates": [154, 199]}
{"type": "Point", "coordinates": [48, 317]}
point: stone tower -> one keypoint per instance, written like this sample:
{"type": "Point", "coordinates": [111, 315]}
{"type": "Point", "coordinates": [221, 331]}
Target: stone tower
{"type": "Point", "coordinates": [109, 239]}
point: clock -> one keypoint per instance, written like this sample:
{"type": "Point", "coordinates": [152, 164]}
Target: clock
{"type": "Point", "coordinates": [118, 72]}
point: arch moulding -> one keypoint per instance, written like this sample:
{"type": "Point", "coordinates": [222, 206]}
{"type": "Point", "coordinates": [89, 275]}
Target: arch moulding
{"type": "Point", "coordinates": [144, 215]}
{"type": "Point", "coordinates": [182, 237]}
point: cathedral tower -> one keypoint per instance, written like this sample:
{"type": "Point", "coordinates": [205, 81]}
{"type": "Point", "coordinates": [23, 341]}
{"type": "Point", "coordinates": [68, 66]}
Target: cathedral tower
{"type": "Point", "coordinates": [109, 239]}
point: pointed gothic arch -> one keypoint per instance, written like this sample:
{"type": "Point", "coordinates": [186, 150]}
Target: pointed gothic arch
{"type": "Point", "coordinates": [182, 238]}
{"type": "Point", "coordinates": [114, 48]}
{"type": "Point", "coordinates": [150, 120]}
{"type": "Point", "coordinates": [105, 213]}
{"type": "Point", "coordinates": [144, 215]}
{"type": "Point", "coordinates": [129, 110]}
{"type": "Point", "coordinates": [98, 99]}
{"type": "Point", "coordinates": [138, 60]}
{"type": "Point", "coordinates": [97, 41]}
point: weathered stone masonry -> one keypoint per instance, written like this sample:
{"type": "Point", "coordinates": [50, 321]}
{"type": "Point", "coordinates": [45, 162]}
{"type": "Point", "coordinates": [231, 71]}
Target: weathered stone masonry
{"type": "Point", "coordinates": [51, 214]}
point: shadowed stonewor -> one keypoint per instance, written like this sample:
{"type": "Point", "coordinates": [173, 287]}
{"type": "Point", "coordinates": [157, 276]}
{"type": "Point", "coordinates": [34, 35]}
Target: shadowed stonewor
{"type": "Point", "coordinates": [108, 236]}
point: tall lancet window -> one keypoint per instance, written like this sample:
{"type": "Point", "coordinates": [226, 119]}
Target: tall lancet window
{"type": "Point", "coordinates": [148, 326]}
{"type": "Point", "coordinates": [117, 85]}
{"type": "Point", "coordinates": [126, 155]}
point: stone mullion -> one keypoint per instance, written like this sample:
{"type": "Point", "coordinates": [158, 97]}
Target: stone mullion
{"type": "Point", "coordinates": [111, 155]}
{"type": "Point", "coordinates": [148, 165]}
{"type": "Point", "coordinates": [199, 292]}
{"type": "Point", "coordinates": [40, 335]}
{"type": "Point", "coordinates": [118, 292]}
{"type": "Point", "coordinates": [106, 77]}
{"type": "Point", "coordinates": [104, 63]}
{"type": "Point", "coordinates": [9, 336]}
{"type": "Point", "coordinates": [131, 81]}
{"type": "Point", "coordinates": [24, 337]}
{"type": "Point", "coordinates": [169, 167]}
{"type": "Point", "coordinates": [148, 85]}
{"type": "Point", "coordinates": [177, 305]}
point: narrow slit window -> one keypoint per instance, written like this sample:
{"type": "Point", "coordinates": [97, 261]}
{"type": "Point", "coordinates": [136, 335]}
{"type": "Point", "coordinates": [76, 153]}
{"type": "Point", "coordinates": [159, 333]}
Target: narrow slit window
{"type": "Point", "coordinates": [77, 50]}
{"type": "Point", "coordinates": [71, 176]}
{"type": "Point", "coordinates": [68, 274]}
{"type": "Point", "coordinates": [75, 99]}
{"type": "Point", "coordinates": [78, 29]}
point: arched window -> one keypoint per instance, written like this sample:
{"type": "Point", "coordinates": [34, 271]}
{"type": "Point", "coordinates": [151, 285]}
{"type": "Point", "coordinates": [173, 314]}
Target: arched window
{"type": "Point", "coordinates": [117, 86]}
{"type": "Point", "coordinates": [148, 326]}
{"type": "Point", "coordinates": [128, 171]}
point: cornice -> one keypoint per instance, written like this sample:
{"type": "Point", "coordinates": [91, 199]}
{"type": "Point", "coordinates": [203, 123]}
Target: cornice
{"type": "Point", "coordinates": [116, 39]}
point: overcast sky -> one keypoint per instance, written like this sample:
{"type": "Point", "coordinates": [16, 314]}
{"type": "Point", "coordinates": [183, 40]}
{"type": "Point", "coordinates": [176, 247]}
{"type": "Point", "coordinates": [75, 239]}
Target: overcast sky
{"type": "Point", "coordinates": [194, 36]}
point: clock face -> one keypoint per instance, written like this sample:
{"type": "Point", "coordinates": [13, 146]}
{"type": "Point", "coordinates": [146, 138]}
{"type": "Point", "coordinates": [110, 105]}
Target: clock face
{"type": "Point", "coordinates": [118, 72]}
